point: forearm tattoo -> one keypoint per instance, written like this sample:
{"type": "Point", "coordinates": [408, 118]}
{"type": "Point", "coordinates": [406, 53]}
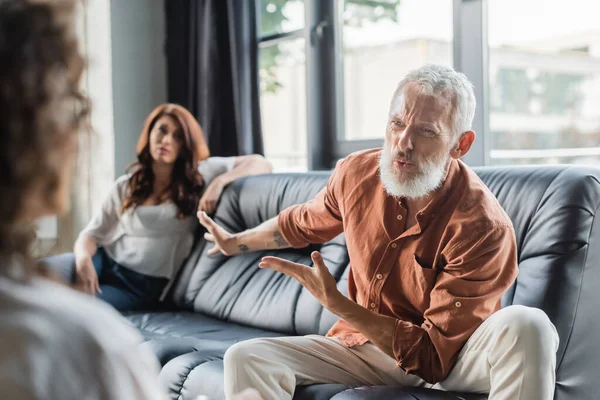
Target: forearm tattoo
{"type": "Point", "coordinates": [279, 240]}
{"type": "Point", "coordinates": [243, 248]}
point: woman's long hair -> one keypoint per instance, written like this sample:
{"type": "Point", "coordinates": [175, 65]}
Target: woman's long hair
{"type": "Point", "coordinates": [186, 182]}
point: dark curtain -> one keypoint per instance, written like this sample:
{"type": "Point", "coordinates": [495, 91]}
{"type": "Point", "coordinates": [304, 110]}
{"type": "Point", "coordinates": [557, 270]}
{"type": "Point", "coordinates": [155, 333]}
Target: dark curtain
{"type": "Point", "coordinates": [212, 70]}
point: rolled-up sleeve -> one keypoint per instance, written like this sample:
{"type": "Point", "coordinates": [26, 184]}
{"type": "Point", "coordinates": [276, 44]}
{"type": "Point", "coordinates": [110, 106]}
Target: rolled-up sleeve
{"type": "Point", "coordinates": [467, 291]}
{"type": "Point", "coordinates": [319, 220]}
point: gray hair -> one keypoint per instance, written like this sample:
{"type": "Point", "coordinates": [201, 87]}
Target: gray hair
{"type": "Point", "coordinates": [442, 80]}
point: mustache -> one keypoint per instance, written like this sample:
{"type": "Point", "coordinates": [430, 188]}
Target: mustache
{"type": "Point", "coordinates": [408, 156]}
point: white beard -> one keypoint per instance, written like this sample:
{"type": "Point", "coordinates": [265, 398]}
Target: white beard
{"type": "Point", "coordinates": [430, 177]}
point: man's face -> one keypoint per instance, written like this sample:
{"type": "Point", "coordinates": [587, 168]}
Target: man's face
{"type": "Point", "coordinates": [418, 141]}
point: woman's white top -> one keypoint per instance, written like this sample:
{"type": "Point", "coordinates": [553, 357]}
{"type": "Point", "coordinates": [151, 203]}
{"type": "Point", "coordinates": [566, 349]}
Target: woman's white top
{"type": "Point", "coordinates": [150, 240]}
{"type": "Point", "coordinates": [56, 343]}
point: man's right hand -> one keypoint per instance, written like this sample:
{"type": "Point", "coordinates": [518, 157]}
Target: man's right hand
{"type": "Point", "coordinates": [225, 242]}
{"type": "Point", "coordinates": [87, 278]}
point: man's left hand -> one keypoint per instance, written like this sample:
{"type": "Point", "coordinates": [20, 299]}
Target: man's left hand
{"type": "Point", "coordinates": [379, 329]}
{"type": "Point", "coordinates": [318, 280]}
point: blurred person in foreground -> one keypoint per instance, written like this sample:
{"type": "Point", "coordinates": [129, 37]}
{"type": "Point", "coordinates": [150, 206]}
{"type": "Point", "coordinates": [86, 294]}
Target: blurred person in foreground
{"type": "Point", "coordinates": [55, 343]}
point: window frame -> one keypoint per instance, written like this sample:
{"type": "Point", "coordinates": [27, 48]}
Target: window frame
{"type": "Point", "coordinates": [272, 39]}
{"type": "Point", "coordinates": [471, 57]}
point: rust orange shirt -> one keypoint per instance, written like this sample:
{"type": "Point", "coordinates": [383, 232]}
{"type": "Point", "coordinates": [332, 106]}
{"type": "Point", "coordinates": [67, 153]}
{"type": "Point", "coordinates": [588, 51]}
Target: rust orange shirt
{"type": "Point", "coordinates": [440, 278]}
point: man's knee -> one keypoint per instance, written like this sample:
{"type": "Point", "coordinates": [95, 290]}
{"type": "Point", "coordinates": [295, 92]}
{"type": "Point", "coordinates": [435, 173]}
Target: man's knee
{"type": "Point", "coordinates": [240, 353]}
{"type": "Point", "coordinates": [527, 326]}
{"type": "Point", "coordinates": [236, 353]}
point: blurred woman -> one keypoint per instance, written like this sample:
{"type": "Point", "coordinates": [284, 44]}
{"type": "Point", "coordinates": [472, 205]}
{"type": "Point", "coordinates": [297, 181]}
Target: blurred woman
{"type": "Point", "coordinates": [133, 247]}
{"type": "Point", "coordinates": [55, 343]}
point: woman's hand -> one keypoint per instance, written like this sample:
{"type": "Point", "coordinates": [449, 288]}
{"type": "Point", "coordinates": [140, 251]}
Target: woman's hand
{"type": "Point", "coordinates": [210, 198]}
{"type": "Point", "coordinates": [87, 278]}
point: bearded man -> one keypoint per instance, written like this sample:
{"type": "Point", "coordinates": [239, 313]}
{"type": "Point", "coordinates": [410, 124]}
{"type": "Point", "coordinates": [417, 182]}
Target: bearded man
{"type": "Point", "coordinates": [431, 251]}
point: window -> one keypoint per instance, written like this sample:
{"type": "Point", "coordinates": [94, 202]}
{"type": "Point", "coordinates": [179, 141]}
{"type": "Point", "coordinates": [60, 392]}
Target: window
{"type": "Point", "coordinates": [282, 75]}
{"type": "Point", "coordinates": [544, 82]}
{"type": "Point", "coordinates": [281, 16]}
{"type": "Point", "coordinates": [382, 41]}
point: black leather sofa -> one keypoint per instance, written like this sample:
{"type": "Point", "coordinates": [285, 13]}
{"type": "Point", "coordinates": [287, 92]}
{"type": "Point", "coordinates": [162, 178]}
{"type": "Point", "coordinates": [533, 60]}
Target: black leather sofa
{"type": "Point", "coordinates": [218, 301]}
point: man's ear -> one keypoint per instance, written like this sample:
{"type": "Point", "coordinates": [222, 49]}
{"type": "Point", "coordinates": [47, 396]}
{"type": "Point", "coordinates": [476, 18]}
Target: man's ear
{"type": "Point", "coordinates": [463, 146]}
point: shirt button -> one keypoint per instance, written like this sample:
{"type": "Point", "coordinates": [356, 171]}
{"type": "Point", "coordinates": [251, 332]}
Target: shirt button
{"type": "Point", "coordinates": [458, 304]}
{"type": "Point", "coordinates": [379, 276]}
{"type": "Point", "coordinates": [399, 217]}
{"type": "Point", "coordinates": [394, 245]}
{"type": "Point", "coordinates": [373, 305]}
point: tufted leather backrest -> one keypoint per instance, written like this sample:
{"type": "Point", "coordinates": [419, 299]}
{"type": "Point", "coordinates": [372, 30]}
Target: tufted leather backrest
{"type": "Point", "coordinates": [553, 209]}
{"type": "Point", "coordinates": [234, 289]}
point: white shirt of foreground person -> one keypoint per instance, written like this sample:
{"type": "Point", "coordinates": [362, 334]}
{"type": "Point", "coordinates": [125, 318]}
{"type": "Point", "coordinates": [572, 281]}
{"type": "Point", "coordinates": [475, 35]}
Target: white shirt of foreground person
{"type": "Point", "coordinates": [56, 343]}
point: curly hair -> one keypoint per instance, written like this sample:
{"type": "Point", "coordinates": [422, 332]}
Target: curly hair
{"type": "Point", "coordinates": [186, 182]}
{"type": "Point", "coordinates": [41, 109]}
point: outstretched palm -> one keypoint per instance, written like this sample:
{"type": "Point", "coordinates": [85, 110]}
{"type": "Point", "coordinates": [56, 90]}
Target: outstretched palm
{"type": "Point", "coordinates": [223, 240]}
{"type": "Point", "coordinates": [318, 280]}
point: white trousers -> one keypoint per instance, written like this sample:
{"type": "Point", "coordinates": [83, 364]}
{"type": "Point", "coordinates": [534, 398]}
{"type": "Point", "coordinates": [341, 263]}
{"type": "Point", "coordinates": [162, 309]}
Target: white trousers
{"type": "Point", "coordinates": [511, 356]}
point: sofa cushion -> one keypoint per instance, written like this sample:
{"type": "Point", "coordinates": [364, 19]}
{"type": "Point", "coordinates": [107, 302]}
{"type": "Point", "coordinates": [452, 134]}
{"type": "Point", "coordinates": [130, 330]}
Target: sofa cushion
{"type": "Point", "coordinates": [171, 334]}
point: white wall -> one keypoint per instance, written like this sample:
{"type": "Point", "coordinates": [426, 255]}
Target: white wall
{"type": "Point", "coordinates": [95, 164]}
{"type": "Point", "coordinates": [96, 161]}
{"type": "Point", "coordinates": [138, 70]}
